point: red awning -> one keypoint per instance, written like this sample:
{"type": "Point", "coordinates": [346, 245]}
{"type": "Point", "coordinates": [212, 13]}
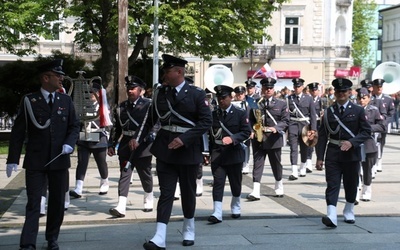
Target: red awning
{"type": "Point", "coordinates": [341, 73]}
{"type": "Point", "coordinates": [279, 73]}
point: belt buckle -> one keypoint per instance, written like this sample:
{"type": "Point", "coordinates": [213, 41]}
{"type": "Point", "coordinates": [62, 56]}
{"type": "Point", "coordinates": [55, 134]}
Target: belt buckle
{"type": "Point", "coordinates": [174, 129]}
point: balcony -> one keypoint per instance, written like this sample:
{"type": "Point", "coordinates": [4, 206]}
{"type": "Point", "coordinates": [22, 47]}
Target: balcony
{"type": "Point", "coordinates": [343, 3]}
{"type": "Point", "coordinates": [259, 53]}
{"type": "Point", "coordinates": [342, 51]}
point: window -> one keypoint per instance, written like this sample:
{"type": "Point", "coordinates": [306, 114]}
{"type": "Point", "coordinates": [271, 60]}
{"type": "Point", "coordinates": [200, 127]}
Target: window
{"type": "Point", "coordinates": [56, 31]}
{"type": "Point", "coordinates": [292, 30]}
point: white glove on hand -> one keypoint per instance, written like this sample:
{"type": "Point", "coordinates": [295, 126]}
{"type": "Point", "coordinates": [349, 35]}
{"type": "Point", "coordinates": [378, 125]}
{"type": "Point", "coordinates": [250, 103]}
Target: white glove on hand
{"type": "Point", "coordinates": [11, 167]}
{"type": "Point", "coordinates": [67, 149]}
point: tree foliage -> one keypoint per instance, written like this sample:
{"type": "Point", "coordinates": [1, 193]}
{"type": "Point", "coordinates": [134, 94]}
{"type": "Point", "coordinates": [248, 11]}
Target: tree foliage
{"type": "Point", "coordinates": [364, 14]}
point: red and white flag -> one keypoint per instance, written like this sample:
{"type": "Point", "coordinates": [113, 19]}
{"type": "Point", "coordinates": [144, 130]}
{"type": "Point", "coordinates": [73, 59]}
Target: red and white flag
{"type": "Point", "coordinates": [105, 119]}
{"type": "Point", "coordinates": [265, 71]}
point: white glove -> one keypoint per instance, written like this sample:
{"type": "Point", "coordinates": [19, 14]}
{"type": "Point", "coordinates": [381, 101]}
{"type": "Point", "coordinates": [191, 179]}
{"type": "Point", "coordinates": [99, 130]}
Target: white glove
{"type": "Point", "coordinates": [11, 167]}
{"type": "Point", "coordinates": [67, 149]}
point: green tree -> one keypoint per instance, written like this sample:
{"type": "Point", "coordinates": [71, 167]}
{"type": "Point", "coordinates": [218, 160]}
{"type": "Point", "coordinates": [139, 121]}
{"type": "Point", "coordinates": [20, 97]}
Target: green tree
{"type": "Point", "coordinates": [364, 14]}
{"type": "Point", "coordinates": [23, 22]}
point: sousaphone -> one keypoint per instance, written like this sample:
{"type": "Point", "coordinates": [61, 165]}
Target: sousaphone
{"type": "Point", "coordinates": [218, 75]}
{"type": "Point", "coordinates": [390, 72]}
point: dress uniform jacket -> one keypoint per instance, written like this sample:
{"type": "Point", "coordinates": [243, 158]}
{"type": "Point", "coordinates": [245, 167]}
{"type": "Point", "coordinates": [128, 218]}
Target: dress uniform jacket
{"type": "Point", "coordinates": [44, 143]}
{"type": "Point", "coordinates": [236, 121]}
{"type": "Point", "coordinates": [278, 109]}
{"type": "Point", "coordinates": [355, 120]}
{"type": "Point", "coordinates": [191, 104]}
{"type": "Point", "coordinates": [129, 126]}
{"type": "Point", "coordinates": [307, 108]}
{"type": "Point", "coordinates": [377, 122]}
{"type": "Point", "coordinates": [387, 106]}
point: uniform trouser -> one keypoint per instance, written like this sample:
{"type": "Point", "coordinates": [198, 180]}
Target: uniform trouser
{"type": "Point", "coordinates": [200, 171]}
{"type": "Point", "coordinates": [294, 142]}
{"type": "Point", "coordinates": [382, 140]}
{"type": "Point", "coordinates": [57, 185]}
{"type": "Point", "coordinates": [99, 155]}
{"type": "Point", "coordinates": [274, 156]}
{"type": "Point", "coordinates": [334, 171]}
{"type": "Point", "coordinates": [143, 168]}
{"type": "Point", "coordinates": [370, 161]}
{"type": "Point", "coordinates": [168, 174]}
{"type": "Point", "coordinates": [45, 186]}
{"type": "Point", "coordinates": [234, 173]}
{"type": "Point", "coordinates": [310, 151]}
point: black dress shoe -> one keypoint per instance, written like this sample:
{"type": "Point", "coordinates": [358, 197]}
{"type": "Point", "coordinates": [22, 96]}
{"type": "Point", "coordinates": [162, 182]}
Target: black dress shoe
{"type": "Point", "coordinates": [74, 194]}
{"type": "Point", "coordinates": [235, 216]}
{"type": "Point", "coordinates": [214, 220]}
{"type": "Point", "coordinates": [42, 215]}
{"type": "Point", "coordinates": [245, 173]}
{"type": "Point", "coordinates": [355, 203]}
{"type": "Point", "coordinates": [30, 247]}
{"type": "Point", "coordinates": [308, 171]}
{"type": "Point", "coordinates": [302, 175]}
{"type": "Point", "coordinates": [366, 200]}
{"type": "Point", "coordinates": [102, 193]}
{"type": "Point", "coordinates": [350, 221]}
{"type": "Point", "coordinates": [176, 198]}
{"type": "Point", "coordinates": [278, 196]}
{"type": "Point", "coordinates": [251, 197]}
{"type": "Point", "coordinates": [327, 222]}
{"type": "Point", "coordinates": [52, 245]}
{"type": "Point", "coordinates": [379, 171]}
{"type": "Point", "coordinates": [147, 210]}
{"type": "Point", "coordinates": [116, 213]}
{"type": "Point", "coordinates": [199, 194]}
{"type": "Point", "coordinates": [292, 178]}
{"type": "Point", "coordinates": [151, 246]}
{"type": "Point", "coordinates": [187, 243]}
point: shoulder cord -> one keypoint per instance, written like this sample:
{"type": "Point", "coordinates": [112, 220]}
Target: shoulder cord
{"type": "Point", "coordinates": [298, 110]}
{"type": "Point", "coordinates": [341, 123]}
{"type": "Point", "coordinates": [179, 116]}
{"type": "Point", "coordinates": [143, 123]}
{"type": "Point", "coordinates": [28, 108]}
{"type": "Point", "coordinates": [164, 117]}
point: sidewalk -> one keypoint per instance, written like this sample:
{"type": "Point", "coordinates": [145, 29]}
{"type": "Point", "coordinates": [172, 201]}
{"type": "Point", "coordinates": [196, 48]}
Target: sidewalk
{"type": "Point", "coordinates": [284, 223]}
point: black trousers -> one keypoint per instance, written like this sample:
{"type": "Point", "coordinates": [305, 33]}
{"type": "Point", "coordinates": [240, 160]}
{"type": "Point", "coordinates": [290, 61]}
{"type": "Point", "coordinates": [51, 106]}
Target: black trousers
{"type": "Point", "coordinates": [370, 161]}
{"type": "Point", "coordinates": [334, 172]}
{"type": "Point", "coordinates": [234, 173]}
{"type": "Point", "coordinates": [168, 175]}
{"type": "Point", "coordinates": [274, 156]}
{"type": "Point", "coordinates": [99, 155]}
{"type": "Point", "coordinates": [143, 168]}
{"type": "Point", "coordinates": [57, 186]}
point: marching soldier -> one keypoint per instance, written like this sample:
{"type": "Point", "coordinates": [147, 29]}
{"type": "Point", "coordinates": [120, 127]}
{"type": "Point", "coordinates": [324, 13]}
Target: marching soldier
{"type": "Point", "coordinates": [130, 117]}
{"type": "Point", "coordinates": [388, 104]}
{"type": "Point", "coordinates": [241, 101]}
{"type": "Point", "coordinates": [184, 116]}
{"type": "Point", "coordinates": [377, 122]}
{"type": "Point", "coordinates": [270, 122]}
{"type": "Point", "coordinates": [314, 92]}
{"type": "Point", "coordinates": [302, 113]}
{"type": "Point", "coordinates": [343, 131]}
{"type": "Point", "coordinates": [49, 120]}
{"type": "Point", "coordinates": [229, 129]}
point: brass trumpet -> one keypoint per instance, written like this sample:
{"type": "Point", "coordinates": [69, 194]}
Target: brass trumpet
{"type": "Point", "coordinates": [258, 127]}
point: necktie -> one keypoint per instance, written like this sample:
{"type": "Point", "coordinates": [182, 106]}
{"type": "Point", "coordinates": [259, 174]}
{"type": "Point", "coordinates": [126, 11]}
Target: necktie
{"type": "Point", "coordinates": [225, 113]}
{"type": "Point", "coordinates": [174, 93]}
{"type": "Point", "coordinates": [50, 100]}
{"type": "Point", "coordinates": [298, 98]}
{"type": "Point", "coordinates": [341, 110]}
{"type": "Point", "coordinates": [267, 103]}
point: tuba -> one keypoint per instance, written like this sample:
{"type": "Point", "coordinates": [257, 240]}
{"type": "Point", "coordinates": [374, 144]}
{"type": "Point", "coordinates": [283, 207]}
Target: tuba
{"type": "Point", "coordinates": [390, 72]}
{"type": "Point", "coordinates": [86, 103]}
{"type": "Point", "coordinates": [218, 75]}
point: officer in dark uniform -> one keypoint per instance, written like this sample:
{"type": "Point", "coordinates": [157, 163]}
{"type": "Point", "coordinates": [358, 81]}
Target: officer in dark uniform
{"type": "Point", "coordinates": [388, 104]}
{"type": "Point", "coordinates": [48, 119]}
{"type": "Point", "coordinates": [314, 92]}
{"type": "Point", "coordinates": [129, 119]}
{"type": "Point", "coordinates": [366, 83]}
{"type": "Point", "coordinates": [302, 113]}
{"type": "Point", "coordinates": [270, 120]}
{"type": "Point", "coordinates": [343, 129]}
{"type": "Point", "coordinates": [88, 147]}
{"type": "Point", "coordinates": [229, 129]}
{"type": "Point", "coordinates": [241, 101]}
{"type": "Point", "coordinates": [251, 89]}
{"type": "Point", "coordinates": [184, 117]}
{"type": "Point", "coordinates": [377, 122]}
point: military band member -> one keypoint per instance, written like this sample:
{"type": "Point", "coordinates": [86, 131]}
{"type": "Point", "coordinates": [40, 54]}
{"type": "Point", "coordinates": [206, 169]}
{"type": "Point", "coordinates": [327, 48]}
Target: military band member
{"type": "Point", "coordinates": [270, 122]}
{"type": "Point", "coordinates": [302, 113]}
{"type": "Point", "coordinates": [88, 147]}
{"type": "Point", "coordinates": [314, 92]}
{"type": "Point", "coordinates": [49, 120]}
{"type": "Point", "coordinates": [241, 101]}
{"type": "Point", "coordinates": [251, 89]}
{"type": "Point", "coordinates": [388, 104]}
{"type": "Point", "coordinates": [343, 129]}
{"type": "Point", "coordinates": [184, 116]}
{"type": "Point", "coordinates": [129, 118]}
{"type": "Point", "coordinates": [377, 122]}
{"type": "Point", "coordinates": [229, 129]}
